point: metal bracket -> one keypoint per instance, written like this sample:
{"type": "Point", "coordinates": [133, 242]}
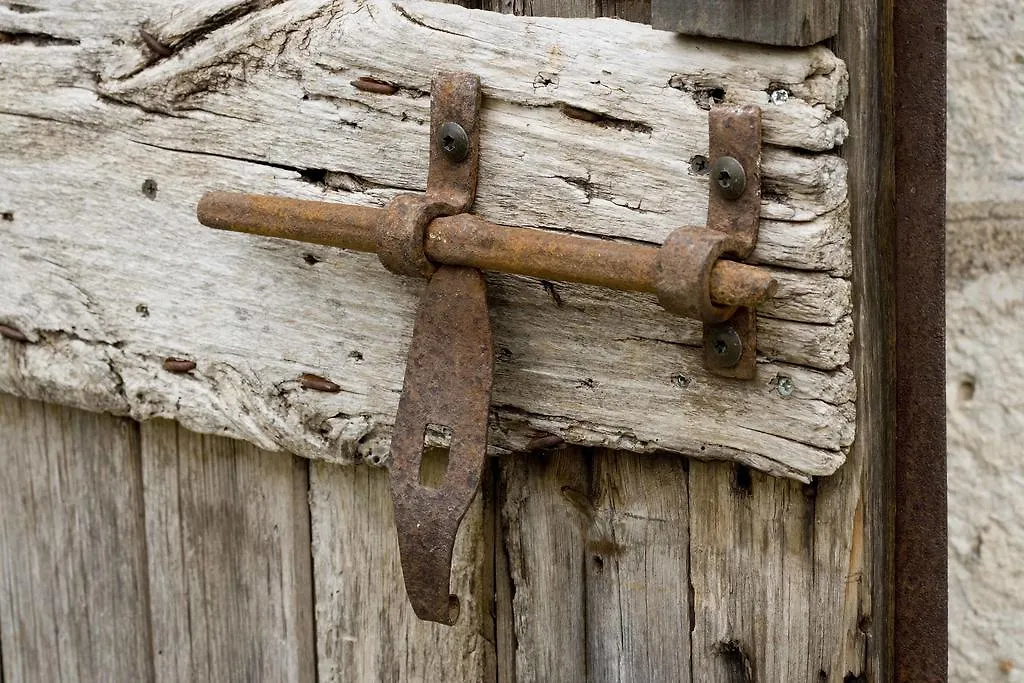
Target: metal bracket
{"type": "Point", "coordinates": [446, 396]}
{"type": "Point", "coordinates": [449, 372]}
{"type": "Point", "coordinates": [734, 208]}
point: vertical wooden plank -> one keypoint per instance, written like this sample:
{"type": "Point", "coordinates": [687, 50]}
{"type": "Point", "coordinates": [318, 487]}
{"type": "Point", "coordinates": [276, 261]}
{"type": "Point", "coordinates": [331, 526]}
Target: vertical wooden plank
{"type": "Point", "coordinates": [366, 629]}
{"type": "Point", "coordinates": [864, 43]}
{"type": "Point", "coordinates": [546, 515]}
{"type": "Point", "coordinates": [752, 571]}
{"type": "Point", "coordinates": [504, 589]}
{"type": "Point", "coordinates": [638, 607]}
{"type": "Point", "coordinates": [597, 546]}
{"type": "Point", "coordinates": [228, 531]}
{"type": "Point", "coordinates": [778, 576]}
{"type": "Point", "coordinates": [73, 601]}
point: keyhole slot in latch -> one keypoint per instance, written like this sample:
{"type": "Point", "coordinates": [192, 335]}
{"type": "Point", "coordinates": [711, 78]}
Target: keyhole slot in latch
{"type": "Point", "coordinates": [437, 444]}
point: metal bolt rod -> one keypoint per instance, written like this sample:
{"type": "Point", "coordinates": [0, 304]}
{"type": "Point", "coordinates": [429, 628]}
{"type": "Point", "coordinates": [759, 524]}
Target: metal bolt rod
{"type": "Point", "coordinates": [466, 240]}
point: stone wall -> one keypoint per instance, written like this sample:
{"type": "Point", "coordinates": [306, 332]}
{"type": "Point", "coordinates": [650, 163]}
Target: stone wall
{"type": "Point", "coordinates": [985, 339]}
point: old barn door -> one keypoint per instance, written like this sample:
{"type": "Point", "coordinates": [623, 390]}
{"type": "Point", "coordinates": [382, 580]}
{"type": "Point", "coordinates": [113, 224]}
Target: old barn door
{"type": "Point", "coordinates": [641, 519]}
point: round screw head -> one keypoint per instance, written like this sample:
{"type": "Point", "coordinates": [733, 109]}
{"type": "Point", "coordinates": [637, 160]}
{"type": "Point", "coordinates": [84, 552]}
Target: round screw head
{"type": "Point", "coordinates": [725, 348]}
{"type": "Point", "coordinates": [728, 177]}
{"type": "Point", "coordinates": [454, 141]}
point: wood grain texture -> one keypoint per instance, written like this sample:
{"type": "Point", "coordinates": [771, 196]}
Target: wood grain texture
{"type": "Point", "coordinates": [607, 533]}
{"type": "Point", "coordinates": [775, 22]}
{"type": "Point", "coordinates": [366, 628]}
{"type": "Point", "coordinates": [107, 272]}
{"type": "Point", "coordinates": [74, 604]}
{"type": "Point", "coordinates": [865, 40]}
{"type": "Point", "coordinates": [229, 559]}
{"type": "Point", "coordinates": [752, 568]}
{"type": "Point", "coordinates": [777, 571]}
{"type": "Point", "coordinates": [545, 515]}
{"type": "Point", "coordinates": [638, 545]}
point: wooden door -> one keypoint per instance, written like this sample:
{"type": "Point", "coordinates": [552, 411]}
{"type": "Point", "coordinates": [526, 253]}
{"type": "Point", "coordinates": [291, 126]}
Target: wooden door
{"type": "Point", "coordinates": [139, 551]}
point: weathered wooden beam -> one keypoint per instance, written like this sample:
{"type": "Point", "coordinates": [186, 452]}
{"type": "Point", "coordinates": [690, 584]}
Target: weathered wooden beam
{"type": "Point", "coordinates": [106, 272]}
{"type": "Point", "coordinates": [774, 22]}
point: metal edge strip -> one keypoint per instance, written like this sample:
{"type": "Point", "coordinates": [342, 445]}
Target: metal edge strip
{"type": "Point", "coordinates": [920, 598]}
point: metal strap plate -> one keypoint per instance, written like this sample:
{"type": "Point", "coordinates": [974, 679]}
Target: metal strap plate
{"type": "Point", "coordinates": [448, 390]}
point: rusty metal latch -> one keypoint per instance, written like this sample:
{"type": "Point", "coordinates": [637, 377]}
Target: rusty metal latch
{"type": "Point", "coordinates": [446, 394]}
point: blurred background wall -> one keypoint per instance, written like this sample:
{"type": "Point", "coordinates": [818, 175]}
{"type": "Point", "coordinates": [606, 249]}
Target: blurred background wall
{"type": "Point", "coordinates": [985, 339]}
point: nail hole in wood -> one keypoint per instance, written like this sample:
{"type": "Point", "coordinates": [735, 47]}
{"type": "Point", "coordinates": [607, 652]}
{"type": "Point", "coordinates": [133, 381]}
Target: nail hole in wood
{"type": "Point", "coordinates": [742, 480]}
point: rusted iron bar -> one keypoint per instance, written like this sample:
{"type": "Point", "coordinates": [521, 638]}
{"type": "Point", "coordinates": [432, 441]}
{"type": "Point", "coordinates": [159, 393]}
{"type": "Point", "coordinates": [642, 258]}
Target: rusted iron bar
{"type": "Point", "coordinates": [466, 240]}
{"type": "Point", "coordinates": [920, 533]}
{"type": "Point", "coordinates": [333, 225]}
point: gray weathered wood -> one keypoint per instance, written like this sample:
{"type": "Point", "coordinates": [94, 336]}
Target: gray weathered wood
{"type": "Point", "coordinates": [824, 596]}
{"type": "Point", "coordinates": [230, 580]}
{"type": "Point", "coordinates": [607, 533]}
{"type": "Point", "coordinates": [638, 546]}
{"type": "Point", "coordinates": [863, 485]}
{"type": "Point", "coordinates": [777, 570]}
{"type": "Point", "coordinates": [366, 628]}
{"type": "Point", "coordinates": [775, 22]}
{"type": "Point", "coordinates": [73, 587]}
{"type": "Point", "coordinates": [108, 272]}
{"type": "Point", "coordinates": [752, 571]}
{"type": "Point", "coordinates": [545, 513]}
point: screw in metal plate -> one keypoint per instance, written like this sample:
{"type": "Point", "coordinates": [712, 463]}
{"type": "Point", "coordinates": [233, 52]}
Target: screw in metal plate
{"type": "Point", "coordinates": [728, 177]}
{"type": "Point", "coordinates": [454, 141]}
{"type": "Point", "coordinates": [725, 346]}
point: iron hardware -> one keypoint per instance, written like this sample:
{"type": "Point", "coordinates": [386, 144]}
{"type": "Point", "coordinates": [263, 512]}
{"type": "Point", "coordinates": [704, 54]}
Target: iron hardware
{"type": "Point", "coordinates": [449, 371]}
{"type": "Point", "coordinates": [470, 241]}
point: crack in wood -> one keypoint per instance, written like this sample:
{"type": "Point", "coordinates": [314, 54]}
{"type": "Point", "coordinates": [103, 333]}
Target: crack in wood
{"type": "Point", "coordinates": [35, 39]}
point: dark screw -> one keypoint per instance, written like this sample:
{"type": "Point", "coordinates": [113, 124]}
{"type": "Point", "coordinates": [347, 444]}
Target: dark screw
{"type": "Point", "coordinates": [729, 177]}
{"type": "Point", "coordinates": [454, 141]}
{"type": "Point", "coordinates": [726, 346]}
